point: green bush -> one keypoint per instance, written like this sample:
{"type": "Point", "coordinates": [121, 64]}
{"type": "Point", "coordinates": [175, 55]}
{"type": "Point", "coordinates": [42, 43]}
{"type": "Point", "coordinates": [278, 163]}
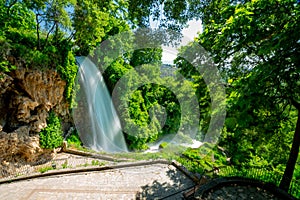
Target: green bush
{"type": "Point", "coordinates": [51, 136]}
{"type": "Point", "coordinates": [65, 165]}
{"type": "Point", "coordinates": [5, 66]}
{"type": "Point", "coordinates": [68, 71]}
{"type": "Point", "coordinates": [45, 169]}
{"type": "Point", "coordinates": [74, 139]}
{"type": "Point", "coordinates": [163, 145]}
{"type": "Point", "coordinates": [203, 159]}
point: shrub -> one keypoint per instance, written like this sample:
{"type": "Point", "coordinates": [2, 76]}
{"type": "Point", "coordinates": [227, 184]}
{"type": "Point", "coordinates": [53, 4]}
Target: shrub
{"type": "Point", "coordinates": [74, 139]}
{"type": "Point", "coordinates": [68, 71]}
{"type": "Point", "coordinates": [51, 136]}
{"type": "Point", "coordinates": [163, 145]}
{"type": "Point", "coordinates": [45, 169]}
{"type": "Point", "coordinates": [203, 159]}
{"type": "Point", "coordinates": [65, 165]}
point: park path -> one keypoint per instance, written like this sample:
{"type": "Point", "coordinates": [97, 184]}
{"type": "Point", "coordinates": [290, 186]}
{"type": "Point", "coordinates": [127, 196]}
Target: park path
{"type": "Point", "coordinates": [155, 181]}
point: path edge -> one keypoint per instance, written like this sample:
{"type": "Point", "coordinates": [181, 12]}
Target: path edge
{"type": "Point", "coordinates": [51, 173]}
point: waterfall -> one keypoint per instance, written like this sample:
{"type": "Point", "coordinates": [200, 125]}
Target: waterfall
{"type": "Point", "coordinates": [95, 116]}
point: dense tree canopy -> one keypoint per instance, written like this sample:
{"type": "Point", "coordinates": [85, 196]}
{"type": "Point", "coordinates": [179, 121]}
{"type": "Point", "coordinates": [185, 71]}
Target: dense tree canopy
{"type": "Point", "coordinates": [256, 44]}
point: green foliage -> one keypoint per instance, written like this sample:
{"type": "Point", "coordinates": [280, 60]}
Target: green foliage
{"type": "Point", "coordinates": [146, 56]}
{"type": "Point", "coordinates": [89, 18]}
{"type": "Point", "coordinates": [59, 57]}
{"type": "Point", "coordinates": [196, 80]}
{"type": "Point", "coordinates": [97, 163]}
{"type": "Point", "coordinates": [255, 45]}
{"type": "Point", "coordinates": [65, 165]}
{"type": "Point", "coordinates": [45, 169]}
{"type": "Point", "coordinates": [297, 169]}
{"type": "Point", "coordinates": [51, 136]}
{"type": "Point", "coordinates": [203, 159]}
{"type": "Point", "coordinates": [27, 41]}
{"type": "Point", "coordinates": [169, 14]}
{"type": "Point", "coordinates": [148, 104]}
{"type": "Point", "coordinates": [74, 140]}
{"type": "Point", "coordinates": [83, 165]}
{"type": "Point", "coordinates": [16, 14]}
{"type": "Point", "coordinates": [163, 145]}
{"type": "Point", "coordinates": [5, 66]}
{"type": "Point", "coordinates": [68, 71]}
{"type": "Point", "coordinates": [99, 18]}
{"type": "Point", "coordinates": [150, 98]}
{"type": "Point", "coordinates": [115, 71]}
{"type": "Point", "coordinates": [166, 153]}
{"type": "Point", "coordinates": [252, 173]}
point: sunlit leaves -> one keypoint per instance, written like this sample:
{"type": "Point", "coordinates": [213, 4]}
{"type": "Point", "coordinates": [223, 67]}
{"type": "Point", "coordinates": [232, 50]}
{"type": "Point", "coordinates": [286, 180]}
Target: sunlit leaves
{"type": "Point", "coordinates": [255, 45]}
{"type": "Point", "coordinates": [94, 21]}
{"type": "Point", "coordinates": [16, 15]}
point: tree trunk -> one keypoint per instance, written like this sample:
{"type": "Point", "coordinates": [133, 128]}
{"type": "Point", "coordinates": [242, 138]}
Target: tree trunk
{"type": "Point", "coordinates": [290, 166]}
{"type": "Point", "coordinates": [38, 31]}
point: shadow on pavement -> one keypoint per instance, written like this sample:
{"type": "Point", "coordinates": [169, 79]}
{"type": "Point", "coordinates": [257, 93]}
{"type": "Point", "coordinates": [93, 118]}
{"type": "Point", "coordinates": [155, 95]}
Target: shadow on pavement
{"type": "Point", "coordinates": [167, 190]}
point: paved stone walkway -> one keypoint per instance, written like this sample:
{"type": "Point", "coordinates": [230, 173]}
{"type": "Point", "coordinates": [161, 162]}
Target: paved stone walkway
{"type": "Point", "coordinates": [237, 192]}
{"type": "Point", "coordinates": [61, 160]}
{"type": "Point", "coordinates": [157, 181]}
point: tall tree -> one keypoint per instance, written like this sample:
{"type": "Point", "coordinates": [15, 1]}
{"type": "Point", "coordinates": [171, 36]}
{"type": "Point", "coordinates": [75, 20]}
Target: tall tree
{"type": "Point", "coordinates": [95, 20]}
{"type": "Point", "coordinates": [191, 73]}
{"type": "Point", "coordinates": [15, 14]}
{"type": "Point", "coordinates": [260, 40]}
{"type": "Point", "coordinates": [51, 18]}
{"type": "Point", "coordinates": [167, 13]}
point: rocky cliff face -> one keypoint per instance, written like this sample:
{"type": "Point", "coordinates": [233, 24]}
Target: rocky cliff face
{"type": "Point", "coordinates": [26, 97]}
{"type": "Point", "coordinates": [19, 145]}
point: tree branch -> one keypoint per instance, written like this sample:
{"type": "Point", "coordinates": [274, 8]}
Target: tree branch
{"type": "Point", "coordinates": [38, 31]}
{"type": "Point", "coordinates": [47, 37]}
{"type": "Point", "coordinates": [295, 104]}
{"type": "Point", "coordinates": [10, 6]}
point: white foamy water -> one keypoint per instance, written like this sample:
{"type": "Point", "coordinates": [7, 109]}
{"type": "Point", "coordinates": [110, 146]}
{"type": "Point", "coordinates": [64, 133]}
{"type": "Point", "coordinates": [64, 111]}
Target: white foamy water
{"type": "Point", "coordinates": [155, 147]}
{"type": "Point", "coordinates": [96, 118]}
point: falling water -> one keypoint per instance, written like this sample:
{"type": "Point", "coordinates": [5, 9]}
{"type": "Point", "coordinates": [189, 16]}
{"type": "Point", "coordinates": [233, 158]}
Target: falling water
{"type": "Point", "coordinates": [95, 116]}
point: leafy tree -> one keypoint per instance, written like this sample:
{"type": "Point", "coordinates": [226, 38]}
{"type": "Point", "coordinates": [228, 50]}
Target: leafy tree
{"type": "Point", "coordinates": [259, 41]}
{"type": "Point", "coordinates": [145, 56]}
{"type": "Point", "coordinates": [15, 14]}
{"type": "Point", "coordinates": [168, 14]}
{"type": "Point", "coordinates": [51, 18]}
{"type": "Point", "coordinates": [94, 21]}
{"type": "Point", "coordinates": [34, 34]}
{"type": "Point", "coordinates": [190, 72]}
{"type": "Point", "coordinates": [90, 22]}
{"type": "Point", "coordinates": [253, 136]}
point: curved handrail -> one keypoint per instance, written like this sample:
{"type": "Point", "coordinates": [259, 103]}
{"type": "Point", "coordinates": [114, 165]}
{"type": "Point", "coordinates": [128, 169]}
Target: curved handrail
{"type": "Point", "coordinates": [227, 181]}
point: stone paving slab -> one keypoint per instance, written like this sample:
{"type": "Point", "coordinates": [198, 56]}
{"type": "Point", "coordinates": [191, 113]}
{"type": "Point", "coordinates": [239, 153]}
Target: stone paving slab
{"type": "Point", "coordinates": [238, 192]}
{"type": "Point", "coordinates": [157, 181]}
